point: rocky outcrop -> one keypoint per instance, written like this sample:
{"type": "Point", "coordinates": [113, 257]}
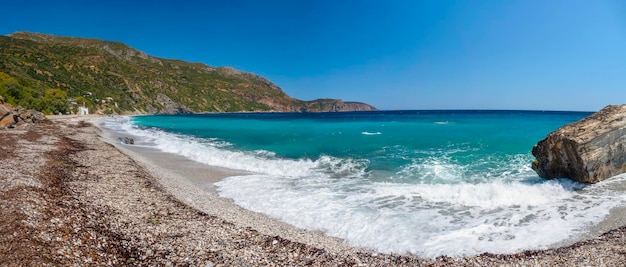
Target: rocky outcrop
{"type": "Point", "coordinates": [10, 117]}
{"type": "Point", "coordinates": [30, 115]}
{"type": "Point", "coordinates": [589, 151]}
{"type": "Point", "coordinates": [7, 118]}
{"type": "Point", "coordinates": [355, 106]}
{"type": "Point", "coordinates": [335, 105]}
{"type": "Point", "coordinates": [169, 106]}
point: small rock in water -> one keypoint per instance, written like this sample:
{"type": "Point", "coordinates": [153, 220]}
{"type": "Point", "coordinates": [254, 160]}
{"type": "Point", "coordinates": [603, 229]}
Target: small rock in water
{"type": "Point", "coordinates": [127, 140]}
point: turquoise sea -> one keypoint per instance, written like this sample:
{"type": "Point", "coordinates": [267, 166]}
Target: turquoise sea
{"type": "Point", "coordinates": [423, 182]}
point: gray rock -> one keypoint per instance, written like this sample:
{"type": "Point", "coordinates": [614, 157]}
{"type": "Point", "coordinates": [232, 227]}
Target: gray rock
{"type": "Point", "coordinates": [588, 151]}
{"type": "Point", "coordinates": [127, 140]}
{"type": "Point", "coordinates": [170, 106]}
{"type": "Point", "coordinates": [33, 116]}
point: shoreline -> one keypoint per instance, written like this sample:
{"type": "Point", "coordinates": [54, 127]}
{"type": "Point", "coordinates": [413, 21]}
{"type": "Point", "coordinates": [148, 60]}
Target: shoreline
{"type": "Point", "coordinates": [109, 207]}
{"type": "Point", "coordinates": [192, 183]}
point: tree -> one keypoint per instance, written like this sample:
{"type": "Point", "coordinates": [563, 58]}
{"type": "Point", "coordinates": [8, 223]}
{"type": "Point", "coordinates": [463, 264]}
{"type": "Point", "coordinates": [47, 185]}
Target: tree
{"type": "Point", "coordinates": [9, 88]}
{"type": "Point", "coordinates": [55, 101]}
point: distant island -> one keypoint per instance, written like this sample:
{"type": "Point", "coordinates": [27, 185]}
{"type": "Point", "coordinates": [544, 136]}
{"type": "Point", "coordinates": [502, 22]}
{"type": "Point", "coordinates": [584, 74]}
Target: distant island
{"type": "Point", "coordinates": [66, 75]}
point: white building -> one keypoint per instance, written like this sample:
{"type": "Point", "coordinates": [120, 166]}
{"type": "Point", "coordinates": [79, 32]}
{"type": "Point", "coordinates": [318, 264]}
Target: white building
{"type": "Point", "coordinates": [83, 111]}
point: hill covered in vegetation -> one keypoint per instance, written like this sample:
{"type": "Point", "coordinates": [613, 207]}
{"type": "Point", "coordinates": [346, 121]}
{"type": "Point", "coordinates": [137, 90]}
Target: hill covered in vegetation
{"type": "Point", "coordinates": [57, 74]}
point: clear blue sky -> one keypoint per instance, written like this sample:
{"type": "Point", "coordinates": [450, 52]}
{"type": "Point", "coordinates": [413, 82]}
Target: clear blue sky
{"type": "Point", "coordinates": [545, 55]}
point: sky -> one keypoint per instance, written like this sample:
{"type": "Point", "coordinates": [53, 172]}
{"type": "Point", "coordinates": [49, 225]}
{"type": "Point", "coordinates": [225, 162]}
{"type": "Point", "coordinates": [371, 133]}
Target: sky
{"type": "Point", "coordinates": [485, 54]}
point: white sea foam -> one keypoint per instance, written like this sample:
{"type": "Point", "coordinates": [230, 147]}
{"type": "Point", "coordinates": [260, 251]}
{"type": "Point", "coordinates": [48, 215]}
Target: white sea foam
{"type": "Point", "coordinates": [371, 133]}
{"type": "Point", "coordinates": [440, 168]}
{"type": "Point", "coordinates": [432, 170]}
{"type": "Point", "coordinates": [428, 220]}
{"type": "Point", "coordinates": [504, 210]}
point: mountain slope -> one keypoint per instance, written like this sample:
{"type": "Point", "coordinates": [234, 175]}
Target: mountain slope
{"type": "Point", "coordinates": [113, 77]}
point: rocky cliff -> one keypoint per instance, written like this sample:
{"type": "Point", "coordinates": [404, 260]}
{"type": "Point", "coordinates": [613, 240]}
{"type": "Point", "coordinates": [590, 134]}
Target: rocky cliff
{"type": "Point", "coordinates": [111, 77]}
{"type": "Point", "coordinates": [335, 105]}
{"type": "Point", "coordinates": [589, 151]}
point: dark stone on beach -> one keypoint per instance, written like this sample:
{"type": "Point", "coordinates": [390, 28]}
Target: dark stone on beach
{"type": "Point", "coordinates": [127, 140]}
{"type": "Point", "coordinates": [588, 151]}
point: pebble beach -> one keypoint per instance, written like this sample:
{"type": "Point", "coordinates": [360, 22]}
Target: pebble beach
{"type": "Point", "coordinates": [73, 195]}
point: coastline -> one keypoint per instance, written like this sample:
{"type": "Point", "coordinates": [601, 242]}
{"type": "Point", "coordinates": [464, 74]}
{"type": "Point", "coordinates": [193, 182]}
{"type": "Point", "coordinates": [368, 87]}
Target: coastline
{"type": "Point", "coordinates": [133, 207]}
{"type": "Point", "coordinates": [192, 183]}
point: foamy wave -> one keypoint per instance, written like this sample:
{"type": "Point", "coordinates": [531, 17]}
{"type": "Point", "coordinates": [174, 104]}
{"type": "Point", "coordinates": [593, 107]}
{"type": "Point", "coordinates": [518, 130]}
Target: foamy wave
{"type": "Point", "coordinates": [427, 220]}
{"type": "Point", "coordinates": [441, 169]}
{"type": "Point", "coordinates": [371, 133]}
{"type": "Point", "coordinates": [212, 152]}
{"type": "Point", "coordinates": [342, 167]}
{"type": "Point", "coordinates": [433, 170]}
{"type": "Point", "coordinates": [495, 194]}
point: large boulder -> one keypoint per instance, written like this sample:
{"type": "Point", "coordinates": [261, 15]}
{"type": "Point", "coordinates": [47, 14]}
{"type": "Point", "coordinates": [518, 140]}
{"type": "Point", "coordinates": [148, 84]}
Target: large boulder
{"type": "Point", "coordinates": [8, 120]}
{"type": "Point", "coordinates": [4, 111]}
{"type": "Point", "coordinates": [4, 108]}
{"type": "Point", "coordinates": [588, 151]}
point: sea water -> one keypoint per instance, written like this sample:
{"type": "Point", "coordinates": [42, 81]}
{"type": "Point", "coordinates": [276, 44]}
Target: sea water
{"type": "Point", "coordinates": [428, 183]}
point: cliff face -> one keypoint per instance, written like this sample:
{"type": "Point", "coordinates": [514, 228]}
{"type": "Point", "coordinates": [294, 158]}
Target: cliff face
{"type": "Point", "coordinates": [589, 151]}
{"type": "Point", "coordinates": [335, 105]}
{"type": "Point", "coordinates": [113, 77]}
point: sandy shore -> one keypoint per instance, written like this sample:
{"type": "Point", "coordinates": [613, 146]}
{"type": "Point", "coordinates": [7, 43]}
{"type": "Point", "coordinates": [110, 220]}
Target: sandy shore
{"type": "Point", "coordinates": [70, 198]}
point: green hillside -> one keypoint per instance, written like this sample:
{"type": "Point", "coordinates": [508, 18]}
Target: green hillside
{"type": "Point", "coordinates": [56, 74]}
